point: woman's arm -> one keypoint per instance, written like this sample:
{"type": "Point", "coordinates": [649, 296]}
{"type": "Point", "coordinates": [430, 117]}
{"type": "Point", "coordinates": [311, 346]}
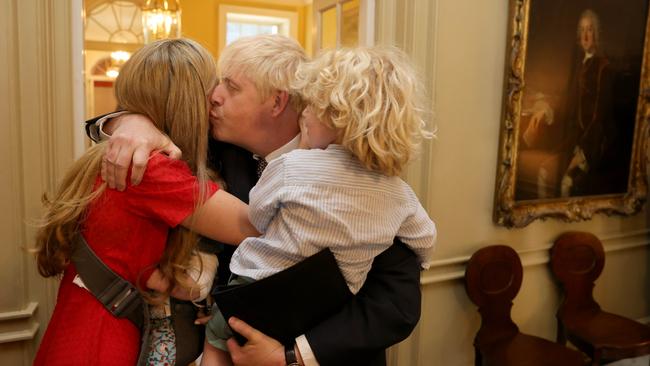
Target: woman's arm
{"type": "Point", "coordinates": [223, 217]}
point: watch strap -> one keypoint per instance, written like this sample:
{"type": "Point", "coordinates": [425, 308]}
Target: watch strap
{"type": "Point", "coordinates": [290, 355]}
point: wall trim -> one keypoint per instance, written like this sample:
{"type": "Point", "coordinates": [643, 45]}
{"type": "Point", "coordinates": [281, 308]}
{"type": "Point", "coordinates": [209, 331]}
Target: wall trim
{"type": "Point", "coordinates": [454, 268]}
{"type": "Point", "coordinates": [19, 335]}
{"type": "Point", "coordinates": [27, 312]}
{"type": "Point", "coordinates": [644, 320]}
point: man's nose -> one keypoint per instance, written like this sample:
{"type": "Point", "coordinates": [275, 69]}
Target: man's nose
{"type": "Point", "coordinates": [216, 99]}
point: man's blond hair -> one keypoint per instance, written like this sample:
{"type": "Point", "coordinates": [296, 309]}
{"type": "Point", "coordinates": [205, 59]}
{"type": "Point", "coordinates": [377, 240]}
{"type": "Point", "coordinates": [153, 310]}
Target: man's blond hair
{"type": "Point", "coordinates": [269, 61]}
{"type": "Point", "coordinates": [373, 98]}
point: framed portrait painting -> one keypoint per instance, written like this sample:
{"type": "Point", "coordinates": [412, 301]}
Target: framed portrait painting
{"type": "Point", "coordinates": [575, 114]}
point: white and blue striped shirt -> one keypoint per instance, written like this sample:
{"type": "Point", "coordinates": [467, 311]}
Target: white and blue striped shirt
{"type": "Point", "coordinates": [307, 200]}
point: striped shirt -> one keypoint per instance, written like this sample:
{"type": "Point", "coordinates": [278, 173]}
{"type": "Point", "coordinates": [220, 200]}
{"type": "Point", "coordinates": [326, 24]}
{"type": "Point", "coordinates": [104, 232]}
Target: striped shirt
{"type": "Point", "coordinates": [307, 200]}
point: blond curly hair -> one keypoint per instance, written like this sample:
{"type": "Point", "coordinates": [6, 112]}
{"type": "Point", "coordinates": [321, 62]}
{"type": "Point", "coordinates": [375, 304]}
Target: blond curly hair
{"type": "Point", "coordinates": [372, 97]}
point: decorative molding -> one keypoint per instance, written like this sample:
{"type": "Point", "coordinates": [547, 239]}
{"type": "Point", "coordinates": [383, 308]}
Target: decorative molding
{"type": "Point", "coordinates": [367, 23]}
{"type": "Point", "coordinates": [107, 46]}
{"type": "Point", "coordinates": [27, 312]}
{"type": "Point", "coordinates": [644, 320]}
{"type": "Point", "coordinates": [19, 335]}
{"type": "Point", "coordinates": [78, 102]}
{"type": "Point", "coordinates": [412, 25]}
{"type": "Point", "coordinates": [454, 268]}
{"type": "Point", "coordinates": [224, 9]}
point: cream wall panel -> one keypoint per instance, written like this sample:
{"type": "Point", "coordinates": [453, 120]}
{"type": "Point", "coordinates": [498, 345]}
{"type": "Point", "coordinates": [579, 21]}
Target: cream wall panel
{"type": "Point", "coordinates": [13, 279]}
{"type": "Point", "coordinates": [460, 46]}
{"type": "Point", "coordinates": [36, 146]}
{"type": "Point", "coordinates": [10, 180]}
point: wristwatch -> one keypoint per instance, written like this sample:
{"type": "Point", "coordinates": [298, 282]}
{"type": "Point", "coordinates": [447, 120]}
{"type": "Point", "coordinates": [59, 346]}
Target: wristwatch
{"type": "Point", "coordinates": [290, 355]}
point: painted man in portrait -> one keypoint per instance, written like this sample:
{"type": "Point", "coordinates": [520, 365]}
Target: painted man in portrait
{"type": "Point", "coordinates": [582, 130]}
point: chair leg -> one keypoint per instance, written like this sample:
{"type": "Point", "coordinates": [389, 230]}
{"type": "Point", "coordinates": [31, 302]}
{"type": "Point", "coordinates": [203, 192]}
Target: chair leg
{"type": "Point", "coordinates": [561, 334]}
{"type": "Point", "coordinates": [478, 359]}
{"type": "Point", "coordinates": [595, 359]}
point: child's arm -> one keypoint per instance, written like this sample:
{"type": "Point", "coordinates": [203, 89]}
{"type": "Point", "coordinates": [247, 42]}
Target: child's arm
{"type": "Point", "coordinates": [419, 233]}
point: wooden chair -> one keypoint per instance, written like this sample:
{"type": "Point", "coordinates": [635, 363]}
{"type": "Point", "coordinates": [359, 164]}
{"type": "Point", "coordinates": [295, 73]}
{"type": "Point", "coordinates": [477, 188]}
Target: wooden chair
{"type": "Point", "coordinates": [493, 279]}
{"type": "Point", "coordinates": [577, 259]}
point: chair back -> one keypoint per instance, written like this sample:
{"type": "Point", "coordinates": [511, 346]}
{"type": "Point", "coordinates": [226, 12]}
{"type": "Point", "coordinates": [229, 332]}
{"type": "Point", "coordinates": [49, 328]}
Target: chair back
{"type": "Point", "coordinates": [577, 260]}
{"type": "Point", "coordinates": [492, 280]}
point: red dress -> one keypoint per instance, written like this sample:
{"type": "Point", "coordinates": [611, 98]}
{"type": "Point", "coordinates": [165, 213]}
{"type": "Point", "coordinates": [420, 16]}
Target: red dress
{"type": "Point", "coordinates": [128, 231]}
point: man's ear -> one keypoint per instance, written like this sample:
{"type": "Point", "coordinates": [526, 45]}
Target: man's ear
{"type": "Point", "coordinates": [280, 102]}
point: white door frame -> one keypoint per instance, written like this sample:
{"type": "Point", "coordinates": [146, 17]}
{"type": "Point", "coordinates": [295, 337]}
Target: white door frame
{"type": "Point", "coordinates": [366, 21]}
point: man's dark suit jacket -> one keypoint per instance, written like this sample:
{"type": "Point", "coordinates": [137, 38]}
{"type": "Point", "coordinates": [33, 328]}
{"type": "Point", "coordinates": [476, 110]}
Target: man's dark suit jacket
{"type": "Point", "coordinates": [383, 312]}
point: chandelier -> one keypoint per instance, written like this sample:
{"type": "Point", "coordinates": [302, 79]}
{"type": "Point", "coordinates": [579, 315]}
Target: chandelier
{"type": "Point", "coordinates": [117, 60]}
{"type": "Point", "coordinates": [161, 19]}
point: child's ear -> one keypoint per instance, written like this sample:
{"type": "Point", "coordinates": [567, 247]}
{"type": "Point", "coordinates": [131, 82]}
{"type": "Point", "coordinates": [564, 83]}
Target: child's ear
{"type": "Point", "coordinates": [280, 102]}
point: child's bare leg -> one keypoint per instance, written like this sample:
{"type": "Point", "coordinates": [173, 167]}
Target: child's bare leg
{"type": "Point", "coordinates": [212, 356]}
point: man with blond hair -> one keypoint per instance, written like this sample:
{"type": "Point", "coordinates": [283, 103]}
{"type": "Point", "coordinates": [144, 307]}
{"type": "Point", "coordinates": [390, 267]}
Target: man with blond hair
{"type": "Point", "coordinates": [254, 119]}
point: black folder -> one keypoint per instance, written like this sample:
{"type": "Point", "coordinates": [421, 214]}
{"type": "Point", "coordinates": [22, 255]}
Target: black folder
{"type": "Point", "coordinates": [288, 303]}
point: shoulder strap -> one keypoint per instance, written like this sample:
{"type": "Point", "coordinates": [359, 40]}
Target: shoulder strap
{"type": "Point", "coordinates": [117, 295]}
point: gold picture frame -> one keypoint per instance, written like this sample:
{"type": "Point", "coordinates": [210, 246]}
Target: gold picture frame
{"type": "Point", "coordinates": [574, 129]}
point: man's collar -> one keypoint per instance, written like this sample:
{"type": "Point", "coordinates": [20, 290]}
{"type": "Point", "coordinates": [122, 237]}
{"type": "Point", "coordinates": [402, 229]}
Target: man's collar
{"type": "Point", "coordinates": [289, 146]}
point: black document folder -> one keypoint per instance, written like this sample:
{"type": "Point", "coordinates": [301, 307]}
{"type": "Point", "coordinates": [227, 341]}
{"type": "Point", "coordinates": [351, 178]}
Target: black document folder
{"type": "Point", "coordinates": [286, 304]}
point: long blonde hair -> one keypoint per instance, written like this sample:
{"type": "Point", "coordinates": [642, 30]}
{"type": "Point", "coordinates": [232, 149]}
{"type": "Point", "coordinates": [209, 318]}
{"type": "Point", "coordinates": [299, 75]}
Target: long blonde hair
{"type": "Point", "coordinates": [169, 82]}
{"type": "Point", "coordinates": [373, 98]}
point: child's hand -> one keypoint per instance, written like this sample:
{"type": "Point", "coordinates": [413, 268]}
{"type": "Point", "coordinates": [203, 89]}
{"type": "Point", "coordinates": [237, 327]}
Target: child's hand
{"type": "Point", "coordinates": [202, 318]}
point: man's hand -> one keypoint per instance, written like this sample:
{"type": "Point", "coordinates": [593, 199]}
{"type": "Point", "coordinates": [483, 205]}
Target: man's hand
{"type": "Point", "coordinates": [533, 131]}
{"type": "Point", "coordinates": [260, 350]}
{"type": "Point", "coordinates": [133, 139]}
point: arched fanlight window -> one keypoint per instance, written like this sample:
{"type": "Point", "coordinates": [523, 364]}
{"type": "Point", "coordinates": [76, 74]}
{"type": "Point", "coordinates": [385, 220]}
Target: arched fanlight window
{"type": "Point", "coordinates": [114, 22]}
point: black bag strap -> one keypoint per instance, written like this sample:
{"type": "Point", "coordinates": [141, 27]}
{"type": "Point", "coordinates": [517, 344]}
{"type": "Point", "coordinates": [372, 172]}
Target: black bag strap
{"type": "Point", "coordinates": [117, 295]}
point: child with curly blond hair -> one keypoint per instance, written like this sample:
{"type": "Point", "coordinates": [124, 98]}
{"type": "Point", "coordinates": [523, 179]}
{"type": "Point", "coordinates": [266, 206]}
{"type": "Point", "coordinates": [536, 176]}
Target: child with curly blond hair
{"type": "Point", "coordinates": [363, 123]}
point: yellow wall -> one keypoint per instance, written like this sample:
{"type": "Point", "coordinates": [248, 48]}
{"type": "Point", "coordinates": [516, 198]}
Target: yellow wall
{"type": "Point", "coordinates": [200, 20]}
{"type": "Point", "coordinates": [329, 29]}
{"type": "Point", "coordinates": [309, 28]}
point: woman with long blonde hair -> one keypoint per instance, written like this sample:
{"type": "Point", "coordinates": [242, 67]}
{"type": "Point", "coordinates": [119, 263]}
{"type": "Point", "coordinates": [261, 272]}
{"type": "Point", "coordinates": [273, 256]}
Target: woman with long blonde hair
{"type": "Point", "coordinates": [146, 227]}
